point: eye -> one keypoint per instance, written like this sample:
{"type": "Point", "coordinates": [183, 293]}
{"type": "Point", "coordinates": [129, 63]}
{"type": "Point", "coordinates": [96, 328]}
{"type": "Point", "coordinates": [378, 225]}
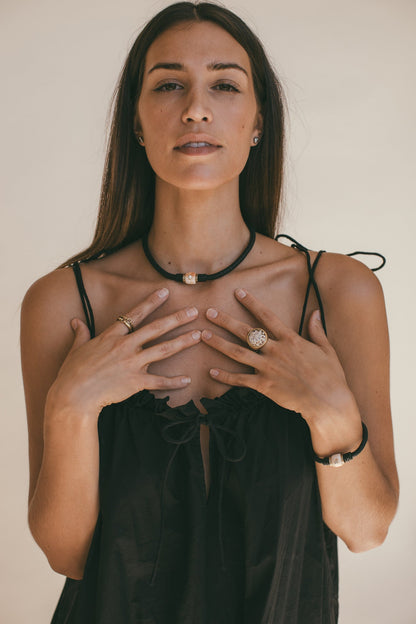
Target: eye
{"type": "Point", "coordinates": [227, 87]}
{"type": "Point", "coordinates": [222, 86]}
{"type": "Point", "coordinates": [167, 86]}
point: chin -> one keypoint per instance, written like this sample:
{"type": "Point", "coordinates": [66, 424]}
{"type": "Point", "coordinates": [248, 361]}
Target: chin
{"type": "Point", "coordinates": [194, 182]}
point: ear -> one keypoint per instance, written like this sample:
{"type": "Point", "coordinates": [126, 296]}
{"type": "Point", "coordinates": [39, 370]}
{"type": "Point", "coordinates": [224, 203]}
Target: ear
{"type": "Point", "coordinates": [137, 126]}
{"type": "Point", "coordinates": [259, 123]}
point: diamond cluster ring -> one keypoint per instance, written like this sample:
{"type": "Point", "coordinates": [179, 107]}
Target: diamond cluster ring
{"type": "Point", "coordinates": [257, 338]}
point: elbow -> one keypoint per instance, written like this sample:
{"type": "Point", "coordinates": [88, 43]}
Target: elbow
{"type": "Point", "coordinates": [367, 543]}
{"type": "Point", "coordinates": [367, 540]}
{"type": "Point", "coordinates": [62, 560]}
{"type": "Point", "coordinates": [66, 568]}
{"type": "Point", "coordinates": [371, 531]}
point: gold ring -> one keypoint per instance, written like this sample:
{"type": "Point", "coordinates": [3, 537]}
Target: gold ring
{"type": "Point", "coordinates": [127, 322]}
{"type": "Point", "coordinates": [257, 338]}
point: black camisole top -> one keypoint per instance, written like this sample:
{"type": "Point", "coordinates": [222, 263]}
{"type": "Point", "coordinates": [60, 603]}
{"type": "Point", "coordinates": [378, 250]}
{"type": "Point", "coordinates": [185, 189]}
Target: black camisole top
{"type": "Point", "coordinates": [255, 551]}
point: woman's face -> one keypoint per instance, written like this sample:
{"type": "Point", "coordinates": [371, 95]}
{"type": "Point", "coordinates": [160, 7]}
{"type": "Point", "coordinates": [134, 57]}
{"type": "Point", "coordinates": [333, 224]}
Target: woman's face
{"type": "Point", "coordinates": [195, 97]}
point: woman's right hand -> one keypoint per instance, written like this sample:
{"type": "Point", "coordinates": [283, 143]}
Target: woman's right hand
{"type": "Point", "coordinates": [112, 366]}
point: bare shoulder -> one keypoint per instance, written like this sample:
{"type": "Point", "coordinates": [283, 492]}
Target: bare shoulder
{"type": "Point", "coordinates": [55, 295]}
{"type": "Point", "coordinates": [50, 303]}
{"type": "Point", "coordinates": [46, 335]}
{"type": "Point", "coordinates": [355, 314]}
{"type": "Point", "coordinates": [348, 287]}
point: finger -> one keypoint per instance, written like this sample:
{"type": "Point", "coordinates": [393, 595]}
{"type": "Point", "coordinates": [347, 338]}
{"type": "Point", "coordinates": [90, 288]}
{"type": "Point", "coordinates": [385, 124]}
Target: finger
{"type": "Point", "coordinates": [231, 349]}
{"type": "Point", "coordinates": [234, 379]}
{"type": "Point", "coordinates": [222, 319]}
{"type": "Point", "coordinates": [161, 326]}
{"type": "Point", "coordinates": [316, 330]}
{"type": "Point", "coordinates": [238, 328]}
{"type": "Point", "coordinates": [267, 318]}
{"type": "Point", "coordinates": [159, 382]}
{"type": "Point", "coordinates": [165, 349]}
{"type": "Point", "coordinates": [81, 333]}
{"type": "Point", "coordinates": [139, 312]}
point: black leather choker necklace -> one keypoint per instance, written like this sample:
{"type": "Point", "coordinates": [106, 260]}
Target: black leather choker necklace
{"type": "Point", "coordinates": [193, 278]}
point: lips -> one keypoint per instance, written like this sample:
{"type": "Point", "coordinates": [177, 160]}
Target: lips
{"type": "Point", "coordinates": [197, 140]}
{"type": "Point", "coordinates": [194, 144]}
{"type": "Point", "coordinates": [197, 149]}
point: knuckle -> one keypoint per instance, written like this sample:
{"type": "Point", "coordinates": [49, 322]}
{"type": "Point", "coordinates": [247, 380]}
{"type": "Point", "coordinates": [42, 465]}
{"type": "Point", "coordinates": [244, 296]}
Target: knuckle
{"type": "Point", "coordinates": [266, 385]}
{"type": "Point", "coordinates": [112, 331]}
{"type": "Point", "coordinates": [184, 341]}
{"type": "Point", "coordinates": [180, 316]}
{"type": "Point", "coordinates": [165, 347]}
{"type": "Point", "coordinates": [292, 338]}
{"type": "Point", "coordinates": [158, 325]}
{"type": "Point", "coordinates": [239, 350]}
{"type": "Point", "coordinates": [155, 298]}
{"type": "Point", "coordinates": [137, 316]}
{"type": "Point", "coordinates": [159, 383]}
{"type": "Point", "coordinates": [266, 315]}
{"type": "Point", "coordinates": [109, 340]}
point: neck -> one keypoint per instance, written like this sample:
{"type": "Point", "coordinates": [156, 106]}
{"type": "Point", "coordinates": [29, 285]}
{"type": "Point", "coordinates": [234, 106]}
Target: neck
{"type": "Point", "coordinates": [199, 231]}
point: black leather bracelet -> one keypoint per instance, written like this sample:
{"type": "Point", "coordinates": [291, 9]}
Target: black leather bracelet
{"type": "Point", "coordinates": [338, 459]}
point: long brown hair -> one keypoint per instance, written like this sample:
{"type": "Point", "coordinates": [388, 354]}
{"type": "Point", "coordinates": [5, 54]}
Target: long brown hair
{"type": "Point", "coordinates": [128, 184]}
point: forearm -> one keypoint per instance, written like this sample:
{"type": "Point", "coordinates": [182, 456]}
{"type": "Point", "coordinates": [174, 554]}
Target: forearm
{"type": "Point", "coordinates": [358, 502]}
{"type": "Point", "coordinates": [64, 507]}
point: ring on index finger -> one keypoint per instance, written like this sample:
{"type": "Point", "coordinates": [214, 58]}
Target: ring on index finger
{"type": "Point", "coordinates": [257, 338]}
{"type": "Point", "coordinates": [127, 322]}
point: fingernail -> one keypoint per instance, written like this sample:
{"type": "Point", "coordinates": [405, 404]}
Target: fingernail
{"type": "Point", "coordinates": [318, 316]}
{"type": "Point", "coordinates": [240, 293]}
{"type": "Point", "coordinates": [196, 335]}
{"type": "Point", "coordinates": [213, 372]}
{"type": "Point", "coordinates": [191, 312]}
{"type": "Point", "coordinates": [206, 334]}
{"type": "Point", "coordinates": [163, 292]}
{"type": "Point", "coordinates": [74, 324]}
{"type": "Point", "coordinates": [212, 313]}
{"type": "Point", "coordinates": [186, 380]}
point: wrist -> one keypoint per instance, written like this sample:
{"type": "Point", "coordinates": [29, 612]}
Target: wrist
{"type": "Point", "coordinates": [336, 430]}
{"type": "Point", "coordinates": [338, 459]}
{"type": "Point", "coordinates": [60, 408]}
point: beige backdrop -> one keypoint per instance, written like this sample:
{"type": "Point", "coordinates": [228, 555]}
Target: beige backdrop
{"type": "Point", "coordinates": [348, 69]}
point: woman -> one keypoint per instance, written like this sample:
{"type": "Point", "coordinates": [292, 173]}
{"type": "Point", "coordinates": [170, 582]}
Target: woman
{"type": "Point", "coordinates": [177, 508]}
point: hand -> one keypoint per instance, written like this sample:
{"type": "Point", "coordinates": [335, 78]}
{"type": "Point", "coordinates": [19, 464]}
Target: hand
{"type": "Point", "coordinates": [300, 375]}
{"type": "Point", "coordinates": [112, 366]}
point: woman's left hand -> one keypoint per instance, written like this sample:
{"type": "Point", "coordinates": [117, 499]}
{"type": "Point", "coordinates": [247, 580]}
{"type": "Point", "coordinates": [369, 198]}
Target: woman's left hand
{"type": "Point", "coordinates": [298, 374]}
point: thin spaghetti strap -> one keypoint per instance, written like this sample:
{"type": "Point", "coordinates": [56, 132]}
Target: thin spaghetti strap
{"type": "Point", "coordinates": [370, 253]}
{"type": "Point", "coordinates": [311, 280]}
{"type": "Point", "coordinates": [89, 316]}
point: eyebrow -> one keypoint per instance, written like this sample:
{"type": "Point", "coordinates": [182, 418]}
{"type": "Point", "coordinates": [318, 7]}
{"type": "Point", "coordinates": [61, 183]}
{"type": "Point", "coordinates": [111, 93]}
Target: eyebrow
{"type": "Point", "coordinates": [215, 66]}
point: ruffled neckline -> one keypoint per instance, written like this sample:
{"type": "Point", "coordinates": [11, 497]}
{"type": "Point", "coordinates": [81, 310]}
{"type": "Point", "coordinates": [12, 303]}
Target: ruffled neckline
{"type": "Point", "coordinates": [236, 396]}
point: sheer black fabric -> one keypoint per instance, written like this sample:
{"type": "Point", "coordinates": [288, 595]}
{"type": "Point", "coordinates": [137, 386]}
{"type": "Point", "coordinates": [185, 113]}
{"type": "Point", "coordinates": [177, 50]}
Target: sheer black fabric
{"type": "Point", "coordinates": [256, 551]}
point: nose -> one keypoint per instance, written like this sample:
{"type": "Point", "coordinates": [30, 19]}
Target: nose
{"type": "Point", "coordinates": [196, 108]}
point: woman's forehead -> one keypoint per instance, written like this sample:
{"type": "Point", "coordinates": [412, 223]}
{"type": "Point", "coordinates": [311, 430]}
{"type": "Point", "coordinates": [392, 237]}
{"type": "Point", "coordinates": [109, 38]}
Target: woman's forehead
{"type": "Point", "coordinates": [194, 44]}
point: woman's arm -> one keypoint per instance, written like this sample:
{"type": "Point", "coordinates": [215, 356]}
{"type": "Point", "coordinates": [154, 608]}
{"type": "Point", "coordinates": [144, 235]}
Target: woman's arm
{"type": "Point", "coordinates": [63, 446]}
{"type": "Point", "coordinates": [67, 382]}
{"type": "Point", "coordinates": [333, 383]}
{"type": "Point", "coordinates": [360, 498]}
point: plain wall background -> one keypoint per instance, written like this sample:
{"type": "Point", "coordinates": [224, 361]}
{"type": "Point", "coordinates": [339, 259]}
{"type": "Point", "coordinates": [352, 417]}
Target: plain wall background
{"type": "Point", "coordinates": [348, 70]}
